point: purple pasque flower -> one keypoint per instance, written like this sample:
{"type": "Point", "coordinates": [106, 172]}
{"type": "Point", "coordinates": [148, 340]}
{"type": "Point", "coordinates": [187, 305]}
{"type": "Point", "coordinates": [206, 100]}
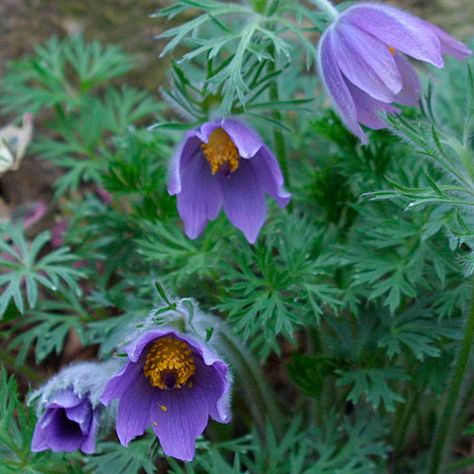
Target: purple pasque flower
{"type": "Point", "coordinates": [69, 407]}
{"type": "Point", "coordinates": [69, 422]}
{"type": "Point", "coordinates": [172, 383]}
{"type": "Point", "coordinates": [363, 65]}
{"type": "Point", "coordinates": [224, 163]}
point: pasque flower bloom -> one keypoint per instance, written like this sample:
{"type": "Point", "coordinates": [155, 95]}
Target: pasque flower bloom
{"type": "Point", "coordinates": [172, 383]}
{"type": "Point", "coordinates": [225, 164]}
{"type": "Point", "coordinates": [70, 422]}
{"type": "Point", "coordinates": [70, 409]}
{"type": "Point", "coordinates": [363, 65]}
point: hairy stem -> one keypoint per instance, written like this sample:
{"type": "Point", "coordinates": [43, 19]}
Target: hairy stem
{"type": "Point", "coordinates": [445, 423]}
{"type": "Point", "coordinates": [327, 7]}
{"type": "Point", "coordinates": [260, 399]}
{"type": "Point", "coordinates": [280, 146]}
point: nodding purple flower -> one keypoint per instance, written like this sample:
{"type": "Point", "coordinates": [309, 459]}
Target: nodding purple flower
{"type": "Point", "coordinates": [172, 383]}
{"type": "Point", "coordinates": [363, 65]}
{"type": "Point", "coordinates": [69, 422]}
{"type": "Point", "coordinates": [225, 164]}
{"type": "Point", "coordinates": [69, 407]}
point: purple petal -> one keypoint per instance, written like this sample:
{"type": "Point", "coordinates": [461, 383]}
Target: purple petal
{"type": "Point", "coordinates": [136, 348]}
{"type": "Point", "coordinates": [184, 153]}
{"type": "Point", "coordinates": [411, 91]}
{"type": "Point", "coordinates": [178, 417]}
{"type": "Point", "coordinates": [81, 414]}
{"type": "Point", "coordinates": [60, 433]}
{"type": "Point", "coordinates": [207, 128]}
{"type": "Point", "coordinates": [120, 382]}
{"type": "Point", "coordinates": [247, 141]}
{"type": "Point", "coordinates": [244, 201]}
{"type": "Point", "coordinates": [133, 415]}
{"type": "Point", "coordinates": [214, 383]}
{"type": "Point", "coordinates": [368, 109]}
{"type": "Point", "coordinates": [64, 398]}
{"type": "Point", "coordinates": [88, 444]}
{"type": "Point", "coordinates": [200, 199]}
{"type": "Point", "coordinates": [397, 29]}
{"type": "Point", "coordinates": [269, 175]}
{"type": "Point", "coordinates": [39, 441]}
{"type": "Point", "coordinates": [449, 44]}
{"type": "Point", "coordinates": [336, 86]}
{"type": "Point", "coordinates": [366, 62]}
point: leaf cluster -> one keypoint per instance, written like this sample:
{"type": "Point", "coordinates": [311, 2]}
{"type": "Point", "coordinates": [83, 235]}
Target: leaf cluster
{"type": "Point", "coordinates": [23, 266]}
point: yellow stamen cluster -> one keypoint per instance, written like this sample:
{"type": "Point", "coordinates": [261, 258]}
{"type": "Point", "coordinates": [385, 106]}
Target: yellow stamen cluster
{"type": "Point", "coordinates": [169, 363]}
{"type": "Point", "coordinates": [392, 50]}
{"type": "Point", "coordinates": [221, 152]}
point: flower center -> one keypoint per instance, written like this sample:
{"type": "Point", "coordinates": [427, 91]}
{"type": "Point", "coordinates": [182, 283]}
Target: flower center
{"type": "Point", "coordinates": [169, 363]}
{"type": "Point", "coordinates": [221, 152]}
{"type": "Point", "coordinates": [392, 50]}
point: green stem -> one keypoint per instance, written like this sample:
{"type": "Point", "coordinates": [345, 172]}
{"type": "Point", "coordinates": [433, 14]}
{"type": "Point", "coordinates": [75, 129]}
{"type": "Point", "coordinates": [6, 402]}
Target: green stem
{"type": "Point", "coordinates": [260, 400]}
{"type": "Point", "coordinates": [459, 465]}
{"type": "Point", "coordinates": [23, 370]}
{"type": "Point", "coordinates": [403, 421]}
{"type": "Point", "coordinates": [327, 7]}
{"type": "Point", "coordinates": [280, 146]}
{"type": "Point", "coordinates": [446, 421]}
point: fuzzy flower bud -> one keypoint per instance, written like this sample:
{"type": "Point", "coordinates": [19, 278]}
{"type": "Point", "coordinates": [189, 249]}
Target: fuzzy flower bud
{"type": "Point", "coordinates": [69, 408]}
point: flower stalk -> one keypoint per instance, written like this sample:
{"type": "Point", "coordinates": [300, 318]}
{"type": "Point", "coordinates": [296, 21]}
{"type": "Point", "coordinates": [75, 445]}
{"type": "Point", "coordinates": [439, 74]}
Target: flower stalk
{"type": "Point", "coordinates": [327, 7]}
{"type": "Point", "coordinates": [279, 139]}
{"type": "Point", "coordinates": [261, 401]}
{"type": "Point", "coordinates": [443, 432]}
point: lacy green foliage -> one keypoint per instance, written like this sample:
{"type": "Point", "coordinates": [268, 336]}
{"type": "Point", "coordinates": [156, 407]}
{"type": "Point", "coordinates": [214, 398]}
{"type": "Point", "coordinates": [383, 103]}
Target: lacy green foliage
{"type": "Point", "coordinates": [184, 259]}
{"type": "Point", "coordinates": [138, 168]}
{"type": "Point", "coordinates": [250, 43]}
{"type": "Point", "coordinates": [60, 74]}
{"type": "Point", "coordinates": [134, 459]}
{"type": "Point", "coordinates": [401, 255]}
{"type": "Point", "coordinates": [373, 385]}
{"type": "Point", "coordinates": [16, 429]}
{"type": "Point", "coordinates": [449, 180]}
{"type": "Point", "coordinates": [47, 328]}
{"type": "Point", "coordinates": [82, 140]}
{"type": "Point", "coordinates": [71, 77]}
{"type": "Point", "coordinates": [23, 266]}
{"type": "Point", "coordinates": [418, 331]}
{"type": "Point", "coordinates": [360, 449]}
{"type": "Point", "coordinates": [280, 284]}
{"type": "Point", "coordinates": [240, 64]}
